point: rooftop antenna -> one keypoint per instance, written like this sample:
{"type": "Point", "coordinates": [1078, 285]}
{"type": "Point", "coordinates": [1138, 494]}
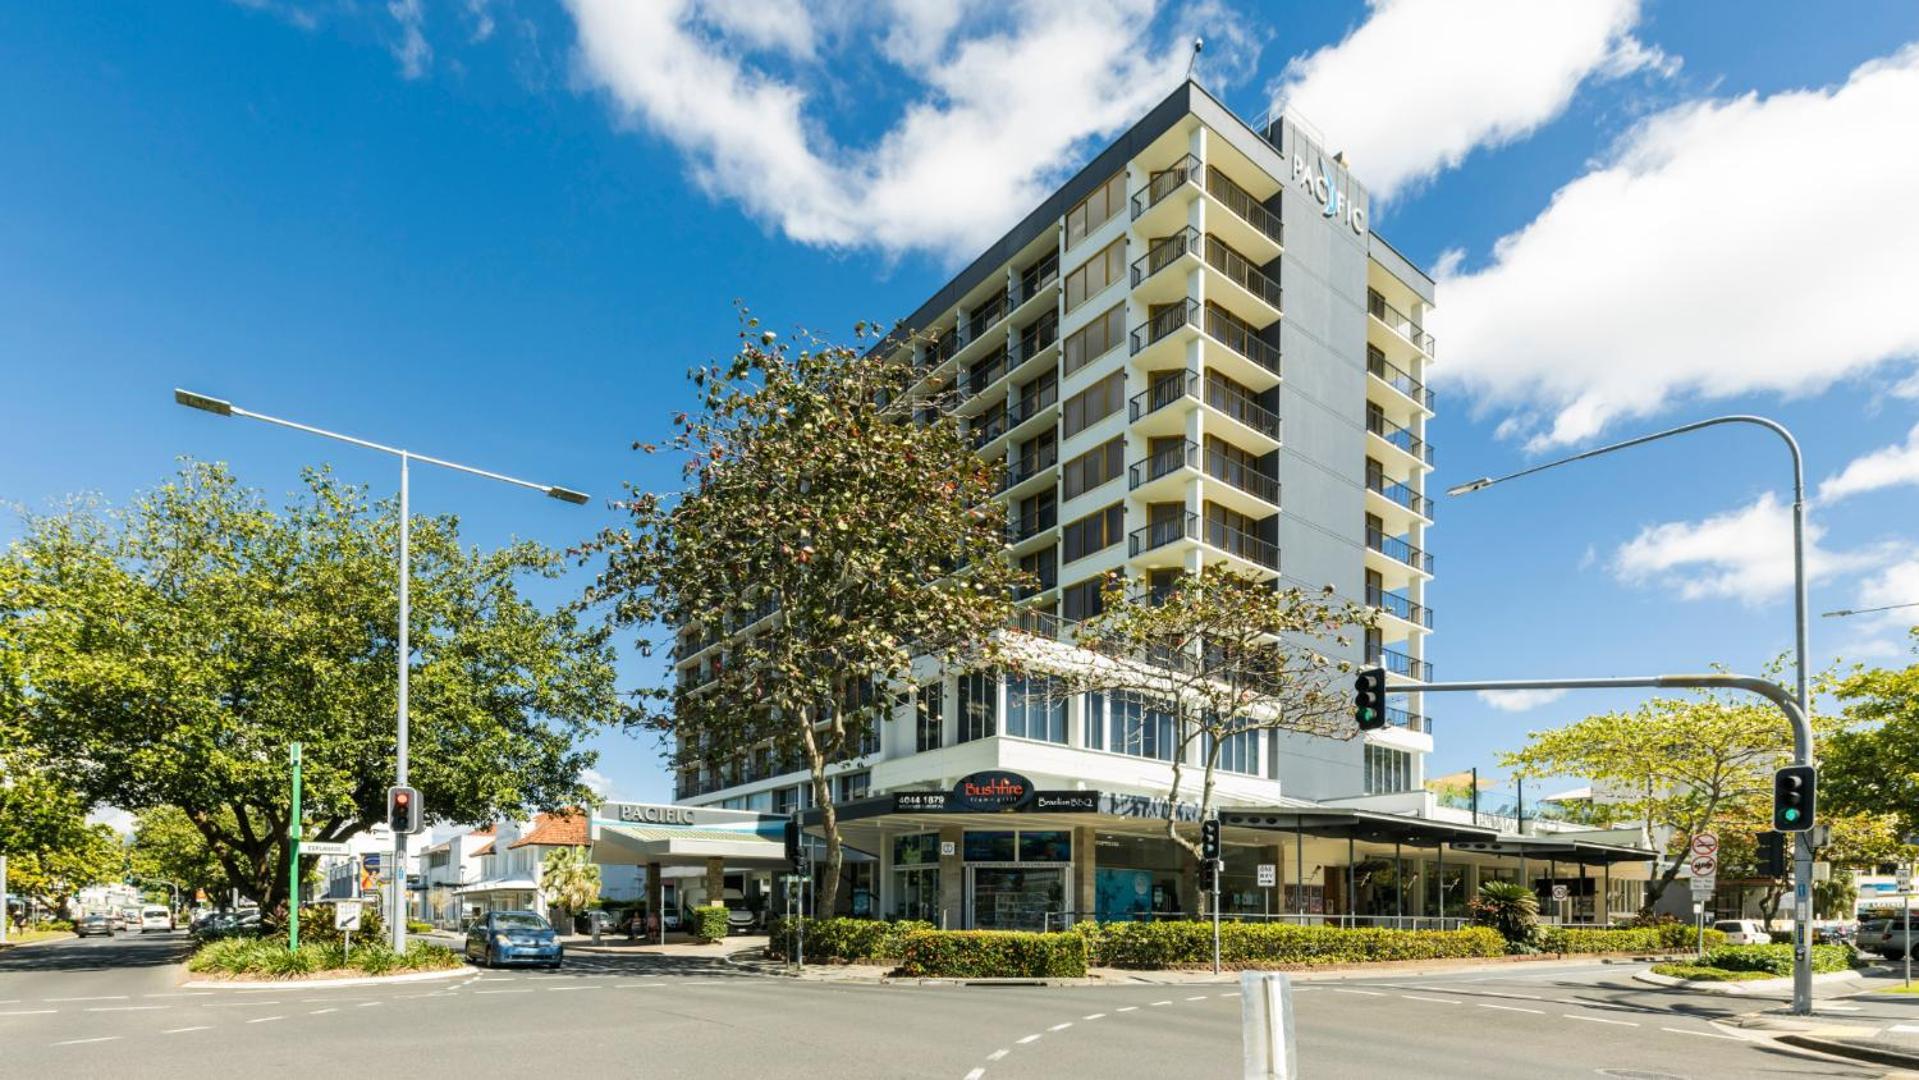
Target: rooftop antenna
{"type": "Point", "coordinates": [1199, 43]}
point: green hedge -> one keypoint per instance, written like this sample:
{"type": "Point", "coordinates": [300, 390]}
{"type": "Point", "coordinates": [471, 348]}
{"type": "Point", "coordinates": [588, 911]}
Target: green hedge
{"type": "Point", "coordinates": [989, 954]}
{"type": "Point", "coordinates": [1663, 938]}
{"type": "Point", "coordinates": [1701, 973]}
{"type": "Point", "coordinates": [1149, 946]}
{"type": "Point", "coordinates": [842, 940]}
{"type": "Point", "coordinates": [1777, 959]}
{"type": "Point", "coordinates": [709, 924]}
{"type": "Point", "coordinates": [264, 956]}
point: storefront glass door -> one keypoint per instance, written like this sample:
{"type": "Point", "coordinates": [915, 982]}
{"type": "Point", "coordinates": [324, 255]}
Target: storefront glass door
{"type": "Point", "coordinates": [1016, 898]}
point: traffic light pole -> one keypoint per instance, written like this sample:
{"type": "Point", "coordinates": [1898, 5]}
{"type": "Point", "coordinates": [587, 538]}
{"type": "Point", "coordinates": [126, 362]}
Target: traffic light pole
{"type": "Point", "coordinates": [1801, 755]}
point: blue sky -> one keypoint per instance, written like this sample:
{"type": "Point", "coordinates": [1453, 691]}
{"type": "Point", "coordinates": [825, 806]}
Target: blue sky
{"type": "Point", "coordinates": [501, 230]}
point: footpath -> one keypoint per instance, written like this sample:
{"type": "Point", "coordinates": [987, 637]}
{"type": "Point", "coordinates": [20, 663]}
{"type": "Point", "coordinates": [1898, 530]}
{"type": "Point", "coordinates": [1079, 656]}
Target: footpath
{"type": "Point", "coordinates": [1876, 1024]}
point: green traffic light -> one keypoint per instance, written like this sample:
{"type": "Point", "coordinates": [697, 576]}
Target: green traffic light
{"type": "Point", "coordinates": [1791, 815]}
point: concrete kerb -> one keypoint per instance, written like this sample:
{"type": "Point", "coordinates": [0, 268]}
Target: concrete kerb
{"type": "Point", "coordinates": [1877, 1055]}
{"type": "Point", "coordinates": [1744, 988]}
{"type": "Point", "coordinates": [324, 984]}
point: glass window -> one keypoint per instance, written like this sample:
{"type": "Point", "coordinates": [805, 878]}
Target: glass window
{"type": "Point", "coordinates": [1140, 726]}
{"type": "Point", "coordinates": [1093, 276]}
{"type": "Point", "coordinates": [1083, 600]}
{"type": "Point", "coordinates": [930, 715]}
{"type": "Point", "coordinates": [1093, 723]}
{"type": "Point", "coordinates": [1096, 209]}
{"type": "Point", "coordinates": [1238, 752]}
{"type": "Point", "coordinates": [916, 849]}
{"type": "Point", "coordinates": [989, 846]}
{"type": "Point", "coordinates": [1094, 340]}
{"type": "Point", "coordinates": [1097, 466]}
{"type": "Point", "coordinates": [850, 786]}
{"type": "Point", "coordinates": [1035, 708]}
{"type": "Point", "coordinates": [1093, 404]}
{"type": "Point", "coordinates": [1388, 770]}
{"type": "Point", "coordinates": [978, 705]}
{"type": "Point", "coordinates": [1045, 845]}
{"type": "Point", "coordinates": [1094, 532]}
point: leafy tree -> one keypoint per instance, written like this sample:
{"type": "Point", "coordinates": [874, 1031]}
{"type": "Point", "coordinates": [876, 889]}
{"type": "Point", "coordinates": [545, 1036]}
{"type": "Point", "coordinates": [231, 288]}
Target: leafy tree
{"type": "Point", "coordinates": [168, 655]}
{"type": "Point", "coordinates": [1689, 763]}
{"type": "Point", "coordinates": [168, 847]}
{"type": "Point", "coordinates": [92, 857]}
{"type": "Point", "coordinates": [839, 512]}
{"type": "Point", "coordinates": [1873, 766]}
{"type": "Point", "coordinates": [37, 812]}
{"type": "Point", "coordinates": [1222, 653]}
{"type": "Point", "coordinates": [1508, 907]}
{"type": "Point", "coordinates": [570, 881]}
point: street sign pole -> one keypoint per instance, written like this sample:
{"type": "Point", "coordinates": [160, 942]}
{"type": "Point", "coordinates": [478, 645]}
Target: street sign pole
{"type": "Point", "coordinates": [1801, 755]}
{"type": "Point", "coordinates": [1908, 932]}
{"type": "Point", "coordinates": [293, 860]}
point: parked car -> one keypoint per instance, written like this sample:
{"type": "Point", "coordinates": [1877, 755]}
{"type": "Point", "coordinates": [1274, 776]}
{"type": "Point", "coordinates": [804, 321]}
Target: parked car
{"type": "Point", "coordinates": [514, 937]}
{"type": "Point", "coordinates": [116, 920]}
{"type": "Point", "coordinates": [225, 924]}
{"type": "Point", "coordinates": [1743, 932]}
{"type": "Point", "coordinates": [155, 917]}
{"type": "Point", "coordinates": [96, 923]}
{"type": "Point", "coordinates": [1887, 937]}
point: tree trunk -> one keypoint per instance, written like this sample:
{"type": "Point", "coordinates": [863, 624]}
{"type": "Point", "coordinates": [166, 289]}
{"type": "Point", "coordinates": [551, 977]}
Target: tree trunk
{"type": "Point", "coordinates": [829, 821]}
{"type": "Point", "coordinates": [1657, 887]}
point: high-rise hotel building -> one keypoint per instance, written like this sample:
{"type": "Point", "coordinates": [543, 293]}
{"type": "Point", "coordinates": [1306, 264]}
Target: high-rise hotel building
{"type": "Point", "coordinates": [1197, 351]}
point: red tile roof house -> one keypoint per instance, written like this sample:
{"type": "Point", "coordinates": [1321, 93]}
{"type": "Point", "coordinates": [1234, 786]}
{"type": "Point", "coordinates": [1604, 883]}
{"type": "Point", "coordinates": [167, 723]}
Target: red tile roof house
{"type": "Point", "coordinates": [509, 866]}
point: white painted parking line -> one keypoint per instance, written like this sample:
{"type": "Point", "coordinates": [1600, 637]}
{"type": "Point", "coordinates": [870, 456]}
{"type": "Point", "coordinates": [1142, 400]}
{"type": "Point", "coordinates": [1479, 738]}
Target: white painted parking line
{"type": "Point", "coordinates": [1030, 1038]}
{"type": "Point", "coordinates": [80, 1042]}
{"type": "Point", "coordinates": [264, 1019]}
{"type": "Point", "coordinates": [180, 1031]}
{"type": "Point", "coordinates": [1509, 1008]}
{"type": "Point", "coordinates": [1599, 1020]}
{"type": "Point", "coordinates": [1061, 1027]}
{"type": "Point", "coordinates": [126, 1008]}
{"type": "Point", "coordinates": [1703, 1034]}
{"type": "Point", "coordinates": [1094, 1016]}
{"type": "Point", "coordinates": [1368, 993]}
{"type": "Point", "coordinates": [1434, 1000]}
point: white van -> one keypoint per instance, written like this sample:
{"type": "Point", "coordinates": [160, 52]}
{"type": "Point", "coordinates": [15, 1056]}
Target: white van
{"type": "Point", "coordinates": [1743, 932]}
{"type": "Point", "coordinates": [155, 917]}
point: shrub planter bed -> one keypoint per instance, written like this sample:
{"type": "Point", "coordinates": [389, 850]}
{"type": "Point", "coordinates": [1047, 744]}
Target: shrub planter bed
{"type": "Point", "coordinates": [254, 959]}
{"type": "Point", "coordinates": [1736, 969]}
{"type": "Point", "coordinates": [841, 941]}
{"type": "Point", "coordinates": [1151, 946]}
{"type": "Point", "coordinates": [992, 954]}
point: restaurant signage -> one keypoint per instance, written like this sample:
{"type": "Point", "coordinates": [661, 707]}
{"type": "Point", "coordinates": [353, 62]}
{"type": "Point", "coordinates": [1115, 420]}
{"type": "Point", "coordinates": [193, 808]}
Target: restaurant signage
{"type": "Point", "coordinates": [991, 791]}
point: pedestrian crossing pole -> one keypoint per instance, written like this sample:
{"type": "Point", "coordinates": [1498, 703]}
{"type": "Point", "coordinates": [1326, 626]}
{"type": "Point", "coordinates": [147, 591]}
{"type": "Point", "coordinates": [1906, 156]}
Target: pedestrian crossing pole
{"type": "Point", "coordinates": [294, 829]}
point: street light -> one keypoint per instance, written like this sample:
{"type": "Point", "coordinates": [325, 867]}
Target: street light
{"type": "Point", "coordinates": [222, 407]}
{"type": "Point", "coordinates": [1802, 755]}
{"type": "Point", "coordinates": [1843, 612]}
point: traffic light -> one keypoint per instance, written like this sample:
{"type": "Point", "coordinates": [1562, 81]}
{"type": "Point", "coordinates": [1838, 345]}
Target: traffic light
{"type": "Point", "coordinates": [1369, 699]}
{"type": "Point", "coordinates": [1209, 875]}
{"type": "Point", "coordinates": [793, 854]}
{"type": "Point", "coordinates": [1772, 854]}
{"type": "Point", "coordinates": [1209, 839]}
{"type": "Point", "coordinates": [1793, 798]}
{"type": "Point", "coordinates": [403, 809]}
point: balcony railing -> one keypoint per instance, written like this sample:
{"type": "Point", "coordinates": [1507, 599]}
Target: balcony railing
{"type": "Point", "coordinates": [1241, 202]}
{"type": "Point", "coordinates": [1042, 623]}
{"type": "Point", "coordinates": [985, 316]}
{"type": "Point", "coordinates": [1400, 664]}
{"type": "Point", "coordinates": [1022, 529]}
{"type": "Point", "coordinates": [1038, 276]}
{"type": "Point", "coordinates": [1164, 251]}
{"type": "Point", "coordinates": [1395, 548]}
{"type": "Point", "coordinates": [1163, 393]}
{"type": "Point", "coordinates": [1164, 183]}
{"type": "Point", "coordinates": [1401, 494]}
{"type": "Point", "coordinates": [1398, 322]}
{"type": "Point", "coordinates": [1396, 377]}
{"type": "Point", "coordinates": [940, 351]}
{"type": "Point", "coordinates": [1400, 607]}
{"type": "Point", "coordinates": [985, 375]}
{"type": "Point", "coordinates": [1241, 271]}
{"type": "Point", "coordinates": [1242, 408]}
{"type": "Point", "coordinates": [988, 428]}
{"type": "Point", "coordinates": [1408, 719]}
{"type": "Point", "coordinates": [1158, 534]}
{"type": "Point", "coordinates": [1037, 337]}
{"type": "Point", "coordinates": [1245, 477]}
{"type": "Point", "coordinates": [1236, 335]}
{"type": "Point", "coordinates": [1399, 436]}
{"type": "Point", "coordinates": [1243, 544]}
{"type": "Point", "coordinates": [1026, 406]}
{"type": "Point", "coordinates": [1170, 460]}
{"type": "Point", "coordinates": [1165, 322]}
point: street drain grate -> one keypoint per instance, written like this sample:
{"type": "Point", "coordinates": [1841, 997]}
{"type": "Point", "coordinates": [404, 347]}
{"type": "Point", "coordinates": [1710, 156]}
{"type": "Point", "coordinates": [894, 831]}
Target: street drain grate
{"type": "Point", "coordinates": [1639, 1074]}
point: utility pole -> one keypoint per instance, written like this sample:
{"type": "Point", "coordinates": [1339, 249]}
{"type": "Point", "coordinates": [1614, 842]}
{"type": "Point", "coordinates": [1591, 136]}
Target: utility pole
{"type": "Point", "coordinates": [294, 829]}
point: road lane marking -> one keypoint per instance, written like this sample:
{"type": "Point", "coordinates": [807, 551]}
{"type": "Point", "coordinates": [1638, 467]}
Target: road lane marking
{"type": "Point", "coordinates": [1509, 1008]}
{"type": "Point", "coordinates": [28, 1012]}
{"type": "Point", "coordinates": [1199, 997]}
{"type": "Point", "coordinates": [1296, 989]}
{"type": "Point", "coordinates": [264, 1019]}
{"type": "Point", "coordinates": [1368, 993]}
{"type": "Point", "coordinates": [997, 1054]}
{"type": "Point", "coordinates": [495, 978]}
{"type": "Point", "coordinates": [100, 997]}
{"type": "Point", "coordinates": [1030, 1038]}
{"type": "Point", "coordinates": [126, 1008]}
{"type": "Point", "coordinates": [1061, 1027]}
{"type": "Point", "coordinates": [1168, 1001]}
{"type": "Point", "coordinates": [1703, 1034]}
{"type": "Point", "coordinates": [1434, 1000]}
{"type": "Point", "coordinates": [557, 989]}
{"type": "Point", "coordinates": [526, 990]}
{"type": "Point", "coordinates": [370, 1004]}
{"type": "Point", "coordinates": [976, 1074]}
{"type": "Point", "coordinates": [322, 1012]}
{"type": "Point", "coordinates": [181, 993]}
{"type": "Point", "coordinates": [196, 1027]}
{"type": "Point", "coordinates": [1599, 1020]}
{"type": "Point", "coordinates": [1095, 1016]}
{"type": "Point", "coordinates": [1905, 1029]}
{"type": "Point", "coordinates": [79, 1042]}
{"type": "Point", "coordinates": [234, 1004]}
{"type": "Point", "coordinates": [1128, 1008]}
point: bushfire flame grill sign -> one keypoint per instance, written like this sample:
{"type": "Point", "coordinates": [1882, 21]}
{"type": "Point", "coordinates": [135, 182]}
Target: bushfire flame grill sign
{"type": "Point", "coordinates": [992, 791]}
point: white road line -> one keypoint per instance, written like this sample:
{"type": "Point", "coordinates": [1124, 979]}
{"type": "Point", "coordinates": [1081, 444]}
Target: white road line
{"type": "Point", "coordinates": [1434, 1000]}
{"type": "Point", "coordinates": [1368, 993]}
{"type": "Point", "coordinates": [524, 991]}
{"type": "Point", "coordinates": [494, 978]}
{"type": "Point", "coordinates": [322, 1012]}
{"type": "Point", "coordinates": [234, 1004]}
{"type": "Point", "coordinates": [1905, 1029]}
{"type": "Point", "coordinates": [1296, 989]}
{"type": "Point", "coordinates": [997, 1054]}
{"type": "Point", "coordinates": [1061, 1027]}
{"type": "Point", "coordinates": [1094, 1016]}
{"type": "Point", "coordinates": [264, 1019]}
{"type": "Point", "coordinates": [1599, 1020]}
{"type": "Point", "coordinates": [196, 1027]}
{"type": "Point", "coordinates": [28, 1012]}
{"type": "Point", "coordinates": [126, 1008]}
{"type": "Point", "coordinates": [555, 989]}
{"type": "Point", "coordinates": [181, 993]}
{"type": "Point", "coordinates": [1168, 1001]}
{"type": "Point", "coordinates": [1128, 1008]}
{"type": "Point", "coordinates": [1839, 1008]}
{"type": "Point", "coordinates": [975, 1074]}
{"type": "Point", "coordinates": [1515, 997]}
{"type": "Point", "coordinates": [1703, 1034]}
{"type": "Point", "coordinates": [10, 1001]}
{"type": "Point", "coordinates": [1197, 997]}
{"type": "Point", "coordinates": [78, 1042]}
{"type": "Point", "coordinates": [1030, 1038]}
{"type": "Point", "coordinates": [1509, 1008]}
{"type": "Point", "coordinates": [101, 997]}
{"type": "Point", "coordinates": [369, 1004]}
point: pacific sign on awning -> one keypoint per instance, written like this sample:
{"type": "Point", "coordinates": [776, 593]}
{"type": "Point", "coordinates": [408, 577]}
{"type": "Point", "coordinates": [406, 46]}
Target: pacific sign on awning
{"type": "Point", "coordinates": [995, 791]}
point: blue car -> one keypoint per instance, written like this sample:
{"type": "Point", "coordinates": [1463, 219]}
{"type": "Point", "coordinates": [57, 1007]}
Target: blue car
{"type": "Point", "coordinates": [513, 937]}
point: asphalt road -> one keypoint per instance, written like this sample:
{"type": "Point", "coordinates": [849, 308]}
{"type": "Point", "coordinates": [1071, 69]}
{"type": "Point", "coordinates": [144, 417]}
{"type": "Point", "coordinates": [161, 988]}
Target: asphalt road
{"type": "Point", "coordinates": [114, 1007]}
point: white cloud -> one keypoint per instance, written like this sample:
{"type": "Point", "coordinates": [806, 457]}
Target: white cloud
{"type": "Point", "coordinates": [480, 18]}
{"type": "Point", "coordinates": [781, 25]}
{"type": "Point", "coordinates": [1743, 554]}
{"type": "Point", "coordinates": [118, 820]}
{"type": "Point", "coordinates": [412, 50]}
{"type": "Point", "coordinates": [1891, 466]}
{"type": "Point", "coordinates": [1423, 83]}
{"type": "Point", "coordinates": [1726, 247]}
{"type": "Point", "coordinates": [597, 782]}
{"type": "Point", "coordinates": [1001, 102]}
{"type": "Point", "coordinates": [1519, 700]}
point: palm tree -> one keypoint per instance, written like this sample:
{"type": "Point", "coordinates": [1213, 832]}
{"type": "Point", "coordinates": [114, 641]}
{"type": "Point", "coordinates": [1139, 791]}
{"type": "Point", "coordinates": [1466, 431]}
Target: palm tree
{"type": "Point", "coordinates": [1508, 907]}
{"type": "Point", "coordinates": [570, 881]}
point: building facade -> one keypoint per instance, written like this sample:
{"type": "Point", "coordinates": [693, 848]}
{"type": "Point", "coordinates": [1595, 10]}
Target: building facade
{"type": "Point", "coordinates": [1196, 352]}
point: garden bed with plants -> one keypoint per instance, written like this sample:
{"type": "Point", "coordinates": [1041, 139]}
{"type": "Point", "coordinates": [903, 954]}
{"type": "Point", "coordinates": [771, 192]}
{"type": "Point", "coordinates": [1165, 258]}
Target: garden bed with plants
{"type": "Point", "coordinates": [269, 958]}
{"type": "Point", "coordinates": [1748, 963]}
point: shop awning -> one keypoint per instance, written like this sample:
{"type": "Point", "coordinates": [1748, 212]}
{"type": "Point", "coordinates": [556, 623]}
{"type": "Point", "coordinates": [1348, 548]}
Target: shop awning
{"type": "Point", "coordinates": [1561, 848]}
{"type": "Point", "coordinates": [1345, 823]}
{"type": "Point", "coordinates": [668, 844]}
